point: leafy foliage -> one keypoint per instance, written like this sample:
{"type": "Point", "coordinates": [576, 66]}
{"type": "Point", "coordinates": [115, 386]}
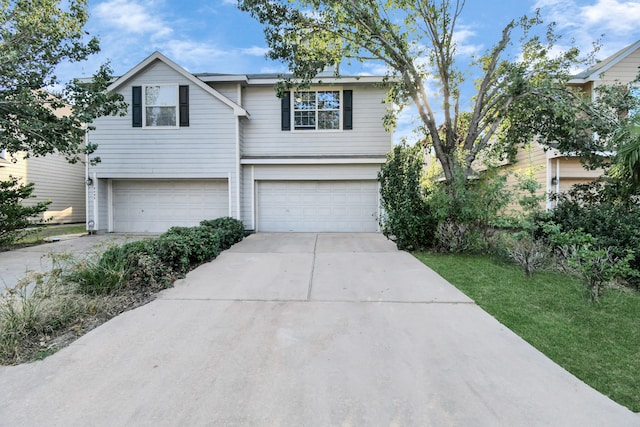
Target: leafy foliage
{"type": "Point", "coordinates": [606, 214]}
{"type": "Point", "coordinates": [35, 38]}
{"type": "Point", "coordinates": [154, 264]}
{"type": "Point", "coordinates": [406, 218]}
{"type": "Point", "coordinates": [596, 264]}
{"type": "Point", "coordinates": [465, 210]}
{"type": "Point", "coordinates": [15, 218]}
{"type": "Point", "coordinates": [77, 294]}
{"type": "Point", "coordinates": [521, 97]}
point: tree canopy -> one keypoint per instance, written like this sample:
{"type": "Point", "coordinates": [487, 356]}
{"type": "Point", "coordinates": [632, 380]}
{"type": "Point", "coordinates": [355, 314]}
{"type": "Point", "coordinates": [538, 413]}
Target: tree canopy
{"type": "Point", "coordinates": [35, 37]}
{"type": "Point", "coordinates": [517, 96]}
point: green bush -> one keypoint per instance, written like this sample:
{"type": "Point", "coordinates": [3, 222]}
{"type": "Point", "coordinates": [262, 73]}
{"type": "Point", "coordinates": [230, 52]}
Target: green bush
{"type": "Point", "coordinates": [230, 230]}
{"type": "Point", "coordinates": [604, 210]}
{"type": "Point", "coordinates": [597, 265]}
{"type": "Point", "coordinates": [204, 242]}
{"type": "Point", "coordinates": [465, 210]}
{"type": "Point", "coordinates": [14, 217]}
{"type": "Point", "coordinates": [154, 264]}
{"type": "Point", "coordinates": [406, 218]}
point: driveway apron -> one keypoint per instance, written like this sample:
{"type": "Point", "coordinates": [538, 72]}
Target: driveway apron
{"type": "Point", "coordinates": [304, 330]}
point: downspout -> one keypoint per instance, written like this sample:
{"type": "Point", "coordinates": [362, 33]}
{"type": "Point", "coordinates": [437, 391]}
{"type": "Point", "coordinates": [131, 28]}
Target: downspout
{"type": "Point", "coordinates": [238, 154]}
{"type": "Point", "coordinates": [549, 185]}
{"type": "Point", "coordinates": [87, 187]}
{"type": "Point", "coordinates": [557, 178]}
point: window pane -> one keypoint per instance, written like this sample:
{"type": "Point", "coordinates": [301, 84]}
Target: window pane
{"type": "Point", "coordinates": [328, 120]}
{"type": "Point", "coordinates": [304, 101]}
{"type": "Point", "coordinates": [329, 100]}
{"type": "Point", "coordinates": [304, 119]}
{"type": "Point", "coordinates": [160, 95]}
{"type": "Point", "coordinates": [161, 116]}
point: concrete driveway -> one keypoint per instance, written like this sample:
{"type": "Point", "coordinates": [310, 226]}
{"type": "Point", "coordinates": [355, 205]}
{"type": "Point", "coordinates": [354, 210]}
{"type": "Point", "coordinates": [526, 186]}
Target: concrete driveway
{"type": "Point", "coordinates": [304, 330]}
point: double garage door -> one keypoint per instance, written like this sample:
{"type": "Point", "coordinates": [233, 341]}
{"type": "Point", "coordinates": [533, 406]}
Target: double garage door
{"type": "Point", "coordinates": [306, 206]}
{"type": "Point", "coordinates": [156, 205]}
{"type": "Point", "coordinates": [317, 206]}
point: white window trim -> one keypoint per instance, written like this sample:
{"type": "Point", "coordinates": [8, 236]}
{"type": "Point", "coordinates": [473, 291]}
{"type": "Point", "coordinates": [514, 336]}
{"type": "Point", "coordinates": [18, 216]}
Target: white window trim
{"type": "Point", "coordinates": [144, 106]}
{"type": "Point", "coordinates": [3, 154]}
{"type": "Point", "coordinates": [316, 130]}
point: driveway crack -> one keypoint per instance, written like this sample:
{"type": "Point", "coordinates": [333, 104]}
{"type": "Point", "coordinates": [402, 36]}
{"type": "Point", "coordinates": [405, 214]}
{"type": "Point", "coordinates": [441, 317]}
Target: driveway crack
{"type": "Point", "coordinates": [313, 267]}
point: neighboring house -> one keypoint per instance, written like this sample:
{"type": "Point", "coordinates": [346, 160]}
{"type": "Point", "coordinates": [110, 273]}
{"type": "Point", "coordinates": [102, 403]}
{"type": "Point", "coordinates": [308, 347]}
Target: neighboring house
{"type": "Point", "coordinates": [54, 179]}
{"type": "Point", "coordinates": [201, 146]}
{"type": "Point", "coordinates": [557, 172]}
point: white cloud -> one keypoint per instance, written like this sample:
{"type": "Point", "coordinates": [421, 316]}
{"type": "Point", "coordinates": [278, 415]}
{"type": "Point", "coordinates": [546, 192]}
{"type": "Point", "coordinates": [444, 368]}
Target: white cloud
{"type": "Point", "coordinates": [587, 21]}
{"type": "Point", "coordinates": [254, 51]}
{"type": "Point", "coordinates": [191, 52]}
{"type": "Point", "coordinates": [612, 15]}
{"type": "Point", "coordinates": [461, 36]}
{"type": "Point", "coordinates": [132, 17]}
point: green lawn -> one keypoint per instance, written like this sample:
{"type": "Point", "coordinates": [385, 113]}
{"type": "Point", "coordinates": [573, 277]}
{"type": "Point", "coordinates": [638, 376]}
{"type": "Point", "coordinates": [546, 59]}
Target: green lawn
{"type": "Point", "coordinates": [597, 342]}
{"type": "Point", "coordinates": [52, 230]}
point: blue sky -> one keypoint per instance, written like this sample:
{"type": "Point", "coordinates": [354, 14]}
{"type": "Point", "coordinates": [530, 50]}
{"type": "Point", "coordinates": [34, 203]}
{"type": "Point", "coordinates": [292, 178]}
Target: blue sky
{"type": "Point", "coordinates": [214, 36]}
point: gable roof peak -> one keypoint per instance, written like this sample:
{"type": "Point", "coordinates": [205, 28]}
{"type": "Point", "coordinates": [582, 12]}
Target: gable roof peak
{"type": "Point", "coordinates": [158, 56]}
{"type": "Point", "coordinates": [593, 72]}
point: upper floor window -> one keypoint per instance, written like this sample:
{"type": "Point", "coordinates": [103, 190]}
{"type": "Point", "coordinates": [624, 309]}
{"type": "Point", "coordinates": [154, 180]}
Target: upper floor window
{"type": "Point", "coordinates": [160, 105]}
{"type": "Point", "coordinates": [317, 110]}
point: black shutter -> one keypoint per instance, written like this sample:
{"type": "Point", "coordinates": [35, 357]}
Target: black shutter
{"type": "Point", "coordinates": [285, 104]}
{"type": "Point", "coordinates": [184, 105]}
{"type": "Point", "coordinates": [347, 110]}
{"type": "Point", "coordinates": [136, 104]}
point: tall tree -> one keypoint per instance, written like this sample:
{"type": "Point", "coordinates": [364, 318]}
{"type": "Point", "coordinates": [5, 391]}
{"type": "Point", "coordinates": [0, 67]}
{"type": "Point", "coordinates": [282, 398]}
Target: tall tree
{"type": "Point", "coordinates": [416, 40]}
{"type": "Point", "coordinates": [35, 37]}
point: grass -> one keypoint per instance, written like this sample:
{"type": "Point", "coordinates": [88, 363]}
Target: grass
{"type": "Point", "coordinates": [51, 230]}
{"type": "Point", "coordinates": [597, 342]}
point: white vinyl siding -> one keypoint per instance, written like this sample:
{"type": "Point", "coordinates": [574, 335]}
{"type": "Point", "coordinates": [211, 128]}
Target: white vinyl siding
{"type": "Point", "coordinates": [205, 149]}
{"type": "Point", "coordinates": [263, 135]}
{"type": "Point", "coordinates": [154, 206]}
{"type": "Point", "coordinates": [317, 206]}
{"type": "Point", "coordinates": [54, 179]}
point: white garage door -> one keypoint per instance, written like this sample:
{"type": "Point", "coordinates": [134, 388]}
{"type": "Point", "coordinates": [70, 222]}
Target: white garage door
{"type": "Point", "coordinates": [155, 205]}
{"type": "Point", "coordinates": [317, 206]}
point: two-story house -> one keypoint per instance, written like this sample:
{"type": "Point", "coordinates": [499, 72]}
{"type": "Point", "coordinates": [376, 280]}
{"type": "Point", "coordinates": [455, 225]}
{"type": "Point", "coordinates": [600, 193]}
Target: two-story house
{"type": "Point", "coordinates": [201, 146]}
{"type": "Point", "coordinates": [54, 179]}
{"type": "Point", "coordinates": [555, 171]}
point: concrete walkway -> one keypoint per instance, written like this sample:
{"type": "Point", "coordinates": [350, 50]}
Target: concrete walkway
{"type": "Point", "coordinates": [304, 330]}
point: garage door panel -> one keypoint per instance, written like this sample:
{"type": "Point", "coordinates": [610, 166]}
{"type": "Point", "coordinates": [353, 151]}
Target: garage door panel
{"type": "Point", "coordinates": [156, 205]}
{"type": "Point", "coordinates": [317, 206]}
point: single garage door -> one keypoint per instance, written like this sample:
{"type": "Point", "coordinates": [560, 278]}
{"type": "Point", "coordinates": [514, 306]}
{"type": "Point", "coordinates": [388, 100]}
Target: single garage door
{"type": "Point", "coordinates": [155, 205]}
{"type": "Point", "coordinates": [317, 206]}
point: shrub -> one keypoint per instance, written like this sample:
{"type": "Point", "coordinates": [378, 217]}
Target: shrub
{"type": "Point", "coordinates": [204, 242]}
{"type": "Point", "coordinates": [529, 253]}
{"type": "Point", "coordinates": [154, 264]}
{"type": "Point", "coordinates": [464, 211]}
{"type": "Point", "coordinates": [607, 212]}
{"type": "Point", "coordinates": [597, 265]}
{"type": "Point", "coordinates": [174, 251]}
{"type": "Point", "coordinates": [14, 217]}
{"type": "Point", "coordinates": [230, 230]}
{"type": "Point", "coordinates": [406, 219]}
